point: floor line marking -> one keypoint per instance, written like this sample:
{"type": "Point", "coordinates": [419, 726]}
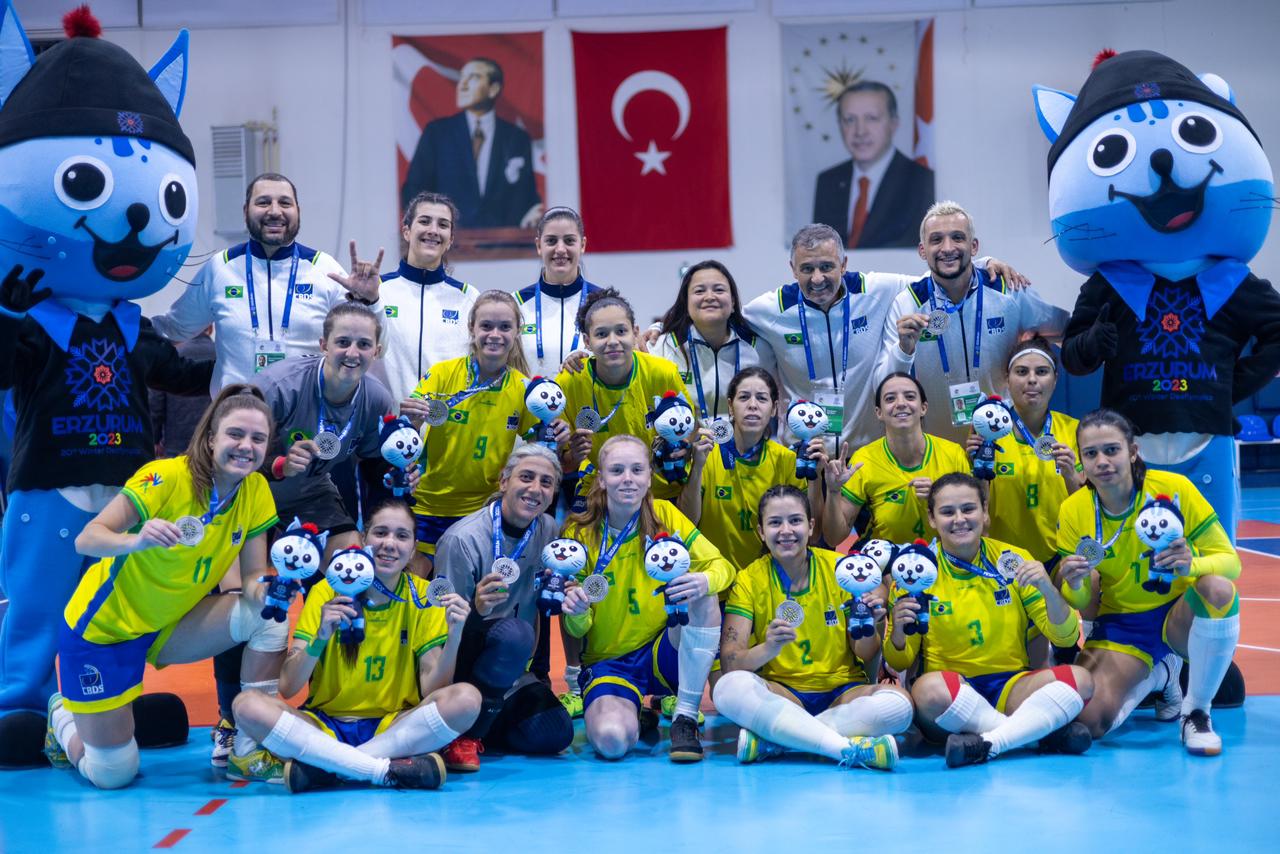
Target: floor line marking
{"type": "Point", "coordinates": [173, 838]}
{"type": "Point", "coordinates": [211, 807]}
{"type": "Point", "coordinates": [239, 784]}
{"type": "Point", "coordinates": [1257, 599]}
{"type": "Point", "coordinates": [1241, 548]}
{"type": "Point", "coordinates": [1259, 648]}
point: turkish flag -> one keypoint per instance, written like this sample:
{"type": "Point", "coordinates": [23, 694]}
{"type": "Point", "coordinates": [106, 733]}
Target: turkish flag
{"type": "Point", "coordinates": [653, 139]}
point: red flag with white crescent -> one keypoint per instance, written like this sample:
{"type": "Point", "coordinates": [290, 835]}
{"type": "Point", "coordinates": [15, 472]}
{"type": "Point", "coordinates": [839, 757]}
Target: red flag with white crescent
{"type": "Point", "coordinates": [653, 139]}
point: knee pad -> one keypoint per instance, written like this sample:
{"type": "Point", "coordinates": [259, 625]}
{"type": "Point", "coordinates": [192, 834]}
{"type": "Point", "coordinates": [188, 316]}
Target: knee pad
{"type": "Point", "coordinates": [247, 626]}
{"type": "Point", "coordinates": [110, 767]}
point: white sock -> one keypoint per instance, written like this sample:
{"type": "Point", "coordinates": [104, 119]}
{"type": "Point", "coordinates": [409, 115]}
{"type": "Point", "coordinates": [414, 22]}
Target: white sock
{"type": "Point", "coordinates": [571, 672]}
{"type": "Point", "coordinates": [745, 699]}
{"type": "Point", "coordinates": [969, 712]}
{"type": "Point", "coordinates": [420, 730]}
{"type": "Point", "coordinates": [1048, 708]}
{"type": "Point", "coordinates": [881, 713]}
{"type": "Point", "coordinates": [1155, 681]}
{"type": "Point", "coordinates": [294, 738]}
{"type": "Point", "coordinates": [1210, 644]}
{"type": "Point", "coordinates": [698, 645]}
{"type": "Point", "coordinates": [64, 726]}
{"type": "Point", "coordinates": [245, 743]}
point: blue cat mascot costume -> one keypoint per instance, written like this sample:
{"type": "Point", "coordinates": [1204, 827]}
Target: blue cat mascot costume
{"type": "Point", "coordinates": [97, 207]}
{"type": "Point", "coordinates": [1160, 193]}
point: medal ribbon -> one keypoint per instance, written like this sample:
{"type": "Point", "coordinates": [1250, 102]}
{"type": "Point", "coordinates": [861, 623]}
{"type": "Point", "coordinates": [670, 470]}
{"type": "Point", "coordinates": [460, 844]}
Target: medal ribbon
{"type": "Point", "coordinates": [474, 386]}
{"type": "Point", "coordinates": [288, 300]}
{"type": "Point", "coordinates": [692, 344]}
{"type": "Point", "coordinates": [977, 322]}
{"type": "Point", "coordinates": [612, 412]}
{"type": "Point", "coordinates": [808, 351]}
{"type": "Point", "coordinates": [1097, 520]}
{"type": "Point", "coordinates": [607, 551]}
{"type": "Point", "coordinates": [729, 451]}
{"type": "Point", "coordinates": [323, 426]}
{"type": "Point", "coordinates": [1024, 432]}
{"type": "Point", "coordinates": [537, 315]}
{"type": "Point", "coordinates": [496, 513]}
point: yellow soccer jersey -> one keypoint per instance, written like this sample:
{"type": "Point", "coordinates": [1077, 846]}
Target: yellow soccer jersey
{"type": "Point", "coordinates": [820, 657]}
{"type": "Point", "coordinates": [650, 377]}
{"type": "Point", "coordinates": [1125, 568]}
{"type": "Point", "coordinates": [968, 632]}
{"type": "Point", "coordinates": [124, 597]}
{"type": "Point", "coordinates": [384, 676]}
{"type": "Point", "coordinates": [1028, 491]}
{"type": "Point", "coordinates": [631, 615]}
{"type": "Point", "coordinates": [465, 455]}
{"type": "Point", "coordinates": [897, 515]}
{"type": "Point", "coordinates": [730, 499]}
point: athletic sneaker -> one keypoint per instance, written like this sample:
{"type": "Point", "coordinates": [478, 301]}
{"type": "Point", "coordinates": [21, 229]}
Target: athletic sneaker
{"type": "Point", "coordinates": [1169, 701]}
{"type": "Point", "coordinates": [879, 752]}
{"type": "Point", "coordinates": [424, 771]}
{"type": "Point", "coordinates": [52, 750]}
{"type": "Point", "coordinates": [966, 748]}
{"type": "Point", "coordinates": [301, 777]}
{"type": "Point", "coordinates": [224, 742]}
{"type": "Point", "coordinates": [261, 765]}
{"type": "Point", "coordinates": [1198, 734]}
{"type": "Point", "coordinates": [572, 703]}
{"type": "Point", "coordinates": [668, 706]}
{"type": "Point", "coordinates": [1072, 739]}
{"type": "Point", "coordinates": [463, 754]}
{"type": "Point", "coordinates": [685, 744]}
{"type": "Point", "coordinates": [753, 748]}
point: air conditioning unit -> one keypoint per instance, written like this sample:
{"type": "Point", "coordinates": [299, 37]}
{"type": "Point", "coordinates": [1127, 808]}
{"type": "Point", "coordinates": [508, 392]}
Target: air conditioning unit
{"type": "Point", "coordinates": [240, 152]}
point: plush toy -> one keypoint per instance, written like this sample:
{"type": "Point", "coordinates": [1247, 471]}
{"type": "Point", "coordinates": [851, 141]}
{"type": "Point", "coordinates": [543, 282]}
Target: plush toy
{"type": "Point", "coordinates": [1160, 193]}
{"type": "Point", "coordinates": [350, 573]}
{"type": "Point", "coordinates": [97, 207]}
{"type": "Point", "coordinates": [1159, 523]}
{"type": "Point", "coordinates": [806, 420]}
{"type": "Point", "coordinates": [401, 447]}
{"type": "Point", "coordinates": [992, 422]}
{"type": "Point", "coordinates": [672, 419]}
{"type": "Point", "coordinates": [881, 551]}
{"type": "Point", "coordinates": [914, 569]}
{"type": "Point", "coordinates": [858, 574]}
{"type": "Point", "coordinates": [545, 401]}
{"type": "Point", "coordinates": [562, 559]}
{"type": "Point", "coordinates": [665, 560]}
{"type": "Point", "coordinates": [296, 557]}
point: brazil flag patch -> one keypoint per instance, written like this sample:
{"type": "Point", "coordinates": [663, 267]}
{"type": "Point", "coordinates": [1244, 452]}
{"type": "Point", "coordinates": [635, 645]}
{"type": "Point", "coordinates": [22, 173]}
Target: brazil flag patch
{"type": "Point", "coordinates": [940, 608]}
{"type": "Point", "coordinates": [529, 329]}
{"type": "Point", "coordinates": [794, 338]}
{"type": "Point", "coordinates": [393, 311]}
{"type": "Point", "coordinates": [724, 493]}
{"type": "Point", "coordinates": [458, 416]}
{"type": "Point", "coordinates": [1004, 469]}
{"type": "Point", "coordinates": [896, 496]}
{"type": "Point", "coordinates": [234, 292]}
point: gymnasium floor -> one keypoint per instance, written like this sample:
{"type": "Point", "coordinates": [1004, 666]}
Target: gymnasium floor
{"type": "Point", "coordinates": [1137, 791]}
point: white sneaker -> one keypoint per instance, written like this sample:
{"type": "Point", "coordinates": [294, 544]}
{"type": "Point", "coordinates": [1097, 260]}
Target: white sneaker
{"type": "Point", "coordinates": [1198, 735]}
{"type": "Point", "coordinates": [753, 748]}
{"type": "Point", "coordinates": [1169, 703]}
{"type": "Point", "coordinates": [224, 741]}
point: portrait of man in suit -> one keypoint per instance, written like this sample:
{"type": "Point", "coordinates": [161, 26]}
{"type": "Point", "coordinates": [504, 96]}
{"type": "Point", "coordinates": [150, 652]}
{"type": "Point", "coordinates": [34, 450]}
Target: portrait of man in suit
{"type": "Point", "coordinates": [877, 197]}
{"type": "Point", "coordinates": [484, 163]}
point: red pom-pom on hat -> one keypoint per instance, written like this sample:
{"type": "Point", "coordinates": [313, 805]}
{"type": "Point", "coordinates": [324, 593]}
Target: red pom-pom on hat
{"type": "Point", "coordinates": [666, 395]}
{"type": "Point", "coordinates": [1164, 498]}
{"type": "Point", "coordinates": [81, 22]}
{"type": "Point", "coordinates": [995, 397]}
{"type": "Point", "coordinates": [388, 418]}
{"type": "Point", "coordinates": [1103, 55]}
{"type": "Point", "coordinates": [920, 542]}
{"type": "Point", "coordinates": [310, 528]}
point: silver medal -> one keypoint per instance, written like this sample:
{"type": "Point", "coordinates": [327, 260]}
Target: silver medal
{"type": "Point", "coordinates": [507, 568]}
{"type": "Point", "coordinates": [1091, 550]}
{"type": "Point", "coordinates": [721, 431]}
{"type": "Point", "coordinates": [190, 530]}
{"type": "Point", "coordinates": [437, 412]}
{"type": "Point", "coordinates": [437, 590]}
{"type": "Point", "coordinates": [328, 445]}
{"type": "Point", "coordinates": [790, 612]}
{"type": "Point", "coordinates": [939, 320]}
{"type": "Point", "coordinates": [588, 419]}
{"type": "Point", "coordinates": [596, 586]}
{"type": "Point", "coordinates": [1044, 447]}
{"type": "Point", "coordinates": [1007, 565]}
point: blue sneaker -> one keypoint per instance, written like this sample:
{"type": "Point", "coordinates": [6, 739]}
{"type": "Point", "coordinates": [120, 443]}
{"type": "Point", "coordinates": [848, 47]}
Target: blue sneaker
{"type": "Point", "coordinates": [753, 748]}
{"type": "Point", "coordinates": [863, 751]}
{"type": "Point", "coordinates": [52, 750]}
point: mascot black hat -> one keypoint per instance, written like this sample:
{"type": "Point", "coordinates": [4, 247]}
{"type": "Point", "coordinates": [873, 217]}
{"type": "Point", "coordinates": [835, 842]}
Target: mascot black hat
{"type": "Point", "coordinates": [85, 86]}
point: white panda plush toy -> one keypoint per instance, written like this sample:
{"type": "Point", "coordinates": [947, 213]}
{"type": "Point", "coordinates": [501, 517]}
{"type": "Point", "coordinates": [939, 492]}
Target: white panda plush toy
{"type": "Point", "coordinates": [350, 573]}
{"type": "Point", "coordinates": [1159, 523]}
{"type": "Point", "coordinates": [857, 574]}
{"type": "Point", "coordinates": [914, 569]}
{"type": "Point", "coordinates": [992, 422]}
{"type": "Point", "coordinates": [545, 401]}
{"type": "Point", "coordinates": [562, 559]}
{"type": "Point", "coordinates": [806, 420]}
{"type": "Point", "coordinates": [672, 419]}
{"type": "Point", "coordinates": [665, 560]}
{"type": "Point", "coordinates": [401, 447]}
{"type": "Point", "coordinates": [296, 557]}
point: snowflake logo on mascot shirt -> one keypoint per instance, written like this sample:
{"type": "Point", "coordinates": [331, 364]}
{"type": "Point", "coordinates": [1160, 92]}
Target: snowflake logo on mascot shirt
{"type": "Point", "coordinates": [1173, 326]}
{"type": "Point", "coordinates": [98, 376]}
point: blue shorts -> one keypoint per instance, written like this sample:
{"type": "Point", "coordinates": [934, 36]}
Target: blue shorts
{"type": "Point", "coordinates": [652, 669]}
{"type": "Point", "coordinates": [1140, 634]}
{"type": "Point", "coordinates": [98, 677]}
{"type": "Point", "coordinates": [815, 702]}
{"type": "Point", "coordinates": [430, 529]}
{"type": "Point", "coordinates": [995, 687]}
{"type": "Point", "coordinates": [353, 733]}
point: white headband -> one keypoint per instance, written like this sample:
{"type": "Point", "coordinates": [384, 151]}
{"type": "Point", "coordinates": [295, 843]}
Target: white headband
{"type": "Point", "coordinates": [1036, 350]}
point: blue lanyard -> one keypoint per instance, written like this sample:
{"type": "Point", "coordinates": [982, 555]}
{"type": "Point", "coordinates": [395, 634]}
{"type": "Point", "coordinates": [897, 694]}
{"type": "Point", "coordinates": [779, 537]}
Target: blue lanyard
{"type": "Point", "coordinates": [215, 506]}
{"type": "Point", "coordinates": [1097, 520]}
{"type": "Point", "coordinates": [785, 580]}
{"type": "Point", "coordinates": [1024, 432]}
{"type": "Point", "coordinates": [288, 300]}
{"type": "Point", "coordinates": [323, 425]}
{"type": "Point", "coordinates": [608, 551]}
{"type": "Point", "coordinates": [413, 592]}
{"type": "Point", "coordinates": [621, 400]}
{"type": "Point", "coordinates": [537, 316]}
{"type": "Point", "coordinates": [959, 307]}
{"type": "Point", "coordinates": [474, 386]}
{"type": "Point", "coordinates": [496, 513]}
{"type": "Point", "coordinates": [729, 451]}
{"type": "Point", "coordinates": [808, 350]}
{"type": "Point", "coordinates": [737, 365]}
{"type": "Point", "coordinates": [985, 569]}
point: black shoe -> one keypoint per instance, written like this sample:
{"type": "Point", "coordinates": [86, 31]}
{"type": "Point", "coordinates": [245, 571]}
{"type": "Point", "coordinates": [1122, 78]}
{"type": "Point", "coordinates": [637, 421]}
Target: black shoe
{"type": "Point", "coordinates": [424, 771]}
{"type": "Point", "coordinates": [966, 748]}
{"type": "Point", "coordinates": [649, 720]}
{"type": "Point", "coordinates": [1072, 739]}
{"type": "Point", "coordinates": [685, 744]}
{"type": "Point", "coordinates": [301, 777]}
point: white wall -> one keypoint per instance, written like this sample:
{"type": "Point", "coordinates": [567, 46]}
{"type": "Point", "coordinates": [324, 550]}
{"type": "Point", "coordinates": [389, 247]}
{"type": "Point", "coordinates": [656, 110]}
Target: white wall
{"type": "Point", "coordinates": [990, 151]}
